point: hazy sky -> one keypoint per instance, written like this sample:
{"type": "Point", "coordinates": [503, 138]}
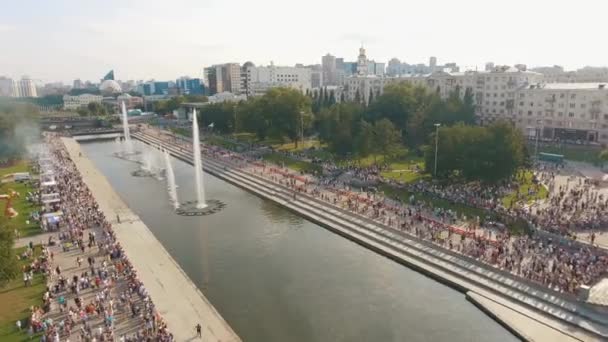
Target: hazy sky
{"type": "Point", "coordinates": [142, 39]}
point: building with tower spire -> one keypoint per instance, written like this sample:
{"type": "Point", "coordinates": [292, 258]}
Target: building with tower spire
{"type": "Point", "coordinates": [362, 63]}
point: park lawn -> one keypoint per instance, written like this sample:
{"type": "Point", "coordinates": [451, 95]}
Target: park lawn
{"type": "Point", "coordinates": [403, 170]}
{"type": "Point", "coordinates": [181, 131]}
{"type": "Point", "coordinates": [23, 207]}
{"type": "Point", "coordinates": [245, 137]}
{"type": "Point", "coordinates": [291, 146]}
{"type": "Point", "coordinates": [404, 196]}
{"type": "Point", "coordinates": [15, 303]}
{"type": "Point", "coordinates": [292, 163]}
{"type": "Point", "coordinates": [221, 142]}
{"type": "Point", "coordinates": [20, 166]}
{"type": "Point", "coordinates": [525, 183]}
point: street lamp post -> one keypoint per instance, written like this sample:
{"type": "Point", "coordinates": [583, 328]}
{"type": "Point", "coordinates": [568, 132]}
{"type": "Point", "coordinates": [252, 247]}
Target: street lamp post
{"type": "Point", "coordinates": [302, 128]}
{"type": "Point", "coordinates": [436, 146]}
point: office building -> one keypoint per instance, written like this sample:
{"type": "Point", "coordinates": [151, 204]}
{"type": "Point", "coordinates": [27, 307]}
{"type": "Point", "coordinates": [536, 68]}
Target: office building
{"type": "Point", "coordinates": [25, 87]}
{"type": "Point", "coordinates": [328, 63]}
{"type": "Point", "coordinates": [190, 86]}
{"type": "Point", "coordinates": [224, 78]}
{"type": "Point", "coordinates": [7, 87]}
{"type": "Point", "coordinates": [74, 102]}
{"type": "Point", "coordinates": [262, 78]}
{"type": "Point", "coordinates": [495, 92]}
{"type": "Point", "coordinates": [573, 112]}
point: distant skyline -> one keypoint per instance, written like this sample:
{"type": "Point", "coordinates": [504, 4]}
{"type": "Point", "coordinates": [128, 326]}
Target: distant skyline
{"type": "Point", "coordinates": [62, 40]}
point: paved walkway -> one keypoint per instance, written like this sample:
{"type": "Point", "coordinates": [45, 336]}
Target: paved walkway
{"type": "Point", "coordinates": [176, 298]}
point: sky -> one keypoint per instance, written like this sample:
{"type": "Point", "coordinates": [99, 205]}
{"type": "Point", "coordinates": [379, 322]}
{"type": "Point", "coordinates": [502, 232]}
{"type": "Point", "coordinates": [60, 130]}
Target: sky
{"type": "Point", "coordinates": [62, 40]}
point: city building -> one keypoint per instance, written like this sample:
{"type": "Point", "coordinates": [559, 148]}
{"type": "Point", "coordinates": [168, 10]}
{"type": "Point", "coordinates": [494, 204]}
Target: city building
{"type": "Point", "coordinates": [375, 68]}
{"type": "Point", "coordinates": [316, 75]}
{"type": "Point", "coordinates": [110, 87]}
{"type": "Point", "coordinates": [130, 101]}
{"type": "Point", "coordinates": [74, 102]}
{"type": "Point", "coordinates": [495, 92]}
{"type": "Point", "coordinates": [190, 86]}
{"type": "Point", "coordinates": [584, 75]}
{"type": "Point", "coordinates": [433, 63]}
{"type": "Point", "coordinates": [394, 67]}
{"type": "Point", "coordinates": [25, 87]}
{"type": "Point", "coordinates": [7, 87]}
{"type": "Point", "coordinates": [226, 97]}
{"type": "Point", "coordinates": [330, 75]}
{"type": "Point", "coordinates": [262, 78]}
{"type": "Point", "coordinates": [575, 112]}
{"type": "Point", "coordinates": [223, 77]}
{"type": "Point", "coordinates": [77, 84]}
{"type": "Point", "coordinates": [362, 64]}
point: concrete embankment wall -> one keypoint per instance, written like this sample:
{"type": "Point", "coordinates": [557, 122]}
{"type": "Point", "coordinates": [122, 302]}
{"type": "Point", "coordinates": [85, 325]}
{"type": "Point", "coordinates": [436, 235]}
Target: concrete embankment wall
{"type": "Point", "coordinates": [177, 299]}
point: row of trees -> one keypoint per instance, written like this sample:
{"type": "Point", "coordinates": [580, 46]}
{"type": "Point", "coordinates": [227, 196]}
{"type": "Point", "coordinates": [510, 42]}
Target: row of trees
{"type": "Point", "coordinates": [403, 115]}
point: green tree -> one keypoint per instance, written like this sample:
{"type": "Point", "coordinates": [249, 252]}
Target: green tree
{"type": "Point", "coordinates": [365, 139]}
{"type": "Point", "coordinates": [339, 126]}
{"type": "Point", "coordinates": [487, 154]}
{"type": "Point", "coordinates": [371, 97]}
{"type": "Point", "coordinates": [96, 109]}
{"type": "Point", "coordinates": [221, 115]}
{"type": "Point", "coordinates": [603, 156]}
{"type": "Point", "coordinates": [9, 267]}
{"type": "Point", "coordinates": [387, 137]}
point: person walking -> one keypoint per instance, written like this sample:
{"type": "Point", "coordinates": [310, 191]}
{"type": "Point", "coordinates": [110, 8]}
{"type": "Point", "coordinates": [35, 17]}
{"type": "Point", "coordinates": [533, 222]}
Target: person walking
{"type": "Point", "coordinates": [199, 331]}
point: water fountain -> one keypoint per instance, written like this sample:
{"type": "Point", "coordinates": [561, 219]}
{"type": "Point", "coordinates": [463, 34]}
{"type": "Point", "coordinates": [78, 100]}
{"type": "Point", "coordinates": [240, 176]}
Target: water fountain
{"type": "Point", "coordinates": [198, 163]}
{"type": "Point", "coordinates": [172, 187]}
{"type": "Point", "coordinates": [201, 206]}
{"type": "Point", "coordinates": [125, 147]}
{"type": "Point", "coordinates": [125, 127]}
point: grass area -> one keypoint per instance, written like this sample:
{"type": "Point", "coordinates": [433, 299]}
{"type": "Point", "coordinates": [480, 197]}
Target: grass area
{"type": "Point", "coordinates": [20, 204]}
{"type": "Point", "coordinates": [219, 141]}
{"type": "Point", "coordinates": [291, 147]}
{"type": "Point", "coordinates": [16, 300]}
{"type": "Point", "coordinates": [539, 192]}
{"type": "Point", "coordinates": [20, 166]}
{"type": "Point", "coordinates": [181, 131]}
{"type": "Point", "coordinates": [245, 137]}
{"type": "Point", "coordinates": [572, 152]}
{"type": "Point", "coordinates": [404, 170]}
{"type": "Point", "coordinates": [23, 207]}
{"type": "Point", "coordinates": [403, 195]}
{"type": "Point", "coordinates": [291, 163]}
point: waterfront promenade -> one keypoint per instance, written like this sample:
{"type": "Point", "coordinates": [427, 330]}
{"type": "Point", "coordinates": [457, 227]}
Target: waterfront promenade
{"type": "Point", "coordinates": [530, 311]}
{"type": "Point", "coordinates": [176, 298]}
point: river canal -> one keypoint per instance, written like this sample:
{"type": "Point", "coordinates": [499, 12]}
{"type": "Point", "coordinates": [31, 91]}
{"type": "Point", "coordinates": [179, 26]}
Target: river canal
{"type": "Point", "coordinates": [277, 277]}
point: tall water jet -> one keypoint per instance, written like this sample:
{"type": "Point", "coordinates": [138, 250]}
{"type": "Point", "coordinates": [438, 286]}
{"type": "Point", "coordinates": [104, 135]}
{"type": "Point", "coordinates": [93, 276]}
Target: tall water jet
{"type": "Point", "coordinates": [172, 187]}
{"type": "Point", "coordinates": [198, 164]}
{"type": "Point", "coordinates": [125, 127]}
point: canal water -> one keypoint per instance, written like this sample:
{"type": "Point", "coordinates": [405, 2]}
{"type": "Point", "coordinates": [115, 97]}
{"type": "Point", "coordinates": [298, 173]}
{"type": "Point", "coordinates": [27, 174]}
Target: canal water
{"type": "Point", "coordinates": [277, 277]}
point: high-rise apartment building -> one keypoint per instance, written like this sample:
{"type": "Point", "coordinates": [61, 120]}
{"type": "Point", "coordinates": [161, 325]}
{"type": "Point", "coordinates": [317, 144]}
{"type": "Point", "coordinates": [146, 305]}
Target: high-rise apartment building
{"type": "Point", "coordinates": [328, 63]}
{"type": "Point", "coordinates": [26, 88]}
{"type": "Point", "coordinates": [224, 78]}
{"type": "Point", "coordinates": [7, 87]}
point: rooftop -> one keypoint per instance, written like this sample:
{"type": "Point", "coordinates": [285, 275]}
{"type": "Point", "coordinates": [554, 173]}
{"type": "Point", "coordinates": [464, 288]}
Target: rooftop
{"type": "Point", "coordinates": [573, 86]}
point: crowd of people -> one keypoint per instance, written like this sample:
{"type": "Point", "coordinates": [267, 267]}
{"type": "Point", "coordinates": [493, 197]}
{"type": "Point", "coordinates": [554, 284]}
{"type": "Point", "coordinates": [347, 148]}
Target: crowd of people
{"type": "Point", "coordinates": [104, 291]}
{"type": "Point", "coordinates": [560, 266]}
